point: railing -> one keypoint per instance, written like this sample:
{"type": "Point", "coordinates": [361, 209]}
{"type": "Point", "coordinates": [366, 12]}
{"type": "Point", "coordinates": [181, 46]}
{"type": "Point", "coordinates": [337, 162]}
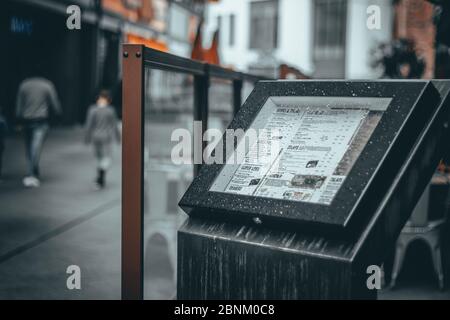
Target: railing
{"type": "Point", "coordinates": [137, 61]}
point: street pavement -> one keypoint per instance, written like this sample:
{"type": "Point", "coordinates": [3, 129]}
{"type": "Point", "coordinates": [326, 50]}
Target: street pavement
{"type": "Point", "coordinates": [62, 223]}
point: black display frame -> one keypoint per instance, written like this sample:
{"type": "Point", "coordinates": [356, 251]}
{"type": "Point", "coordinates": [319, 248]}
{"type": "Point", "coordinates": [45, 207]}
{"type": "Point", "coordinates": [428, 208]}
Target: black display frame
{"type": "Point", "coordinates": [412, 105]}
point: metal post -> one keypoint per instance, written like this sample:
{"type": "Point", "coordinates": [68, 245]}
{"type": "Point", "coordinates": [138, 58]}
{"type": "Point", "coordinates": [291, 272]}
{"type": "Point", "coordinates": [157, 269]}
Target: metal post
{"type": "Point", "coordinates": [201, 108]}
{"type": "Point", "coordinates": [132, 173]}
{"type": "Point", "coordinates": [237, 95]}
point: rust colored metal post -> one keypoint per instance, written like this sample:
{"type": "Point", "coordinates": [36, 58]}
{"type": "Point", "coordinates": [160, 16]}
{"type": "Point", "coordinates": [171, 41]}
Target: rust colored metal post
{"type": "Point", "coordinates": [132, 172]}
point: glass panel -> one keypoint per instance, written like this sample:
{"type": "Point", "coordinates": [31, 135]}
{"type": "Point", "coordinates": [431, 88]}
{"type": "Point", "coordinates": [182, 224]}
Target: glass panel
{"type": "Point", "coordinates": [168, 106]}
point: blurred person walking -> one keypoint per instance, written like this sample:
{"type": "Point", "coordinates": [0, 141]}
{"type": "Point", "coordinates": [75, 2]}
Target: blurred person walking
{"type": "Point", "coordinates": [102, 128]}
{"type": "Point", "coordinates": [3, 129]}
{"type": "Point", "coordinates": [35, 98]}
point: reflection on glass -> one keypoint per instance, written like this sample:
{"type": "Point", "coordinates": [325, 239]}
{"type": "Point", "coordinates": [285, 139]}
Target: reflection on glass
{"type": "Point", "coordinates": [168, 106]}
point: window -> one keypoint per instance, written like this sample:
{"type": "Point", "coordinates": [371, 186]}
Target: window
{"type": "Point", "coordinates": [219, 23]}
{"type": "Point", "coordinates": [219, 28]}
{"type": "Point", "coordinates": [179, 22]}
{"type": "Point", "coordinates": [330, 29]}
{"type": "Point", "coordinates": [264, 24]}
{"type": "Point", "coordinates": [232, 29]}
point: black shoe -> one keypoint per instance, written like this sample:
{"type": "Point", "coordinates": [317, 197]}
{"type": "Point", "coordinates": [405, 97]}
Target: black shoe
{"type": "Point", "coordinates": [101, 178]}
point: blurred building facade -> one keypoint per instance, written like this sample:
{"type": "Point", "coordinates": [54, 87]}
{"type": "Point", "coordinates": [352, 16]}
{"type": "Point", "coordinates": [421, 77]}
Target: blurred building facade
{"type": "Point", "coordinates": [323, 38]}
{"type": "Point", "coordinates": [80, 62]}
{"type": "Point", "coordinates": [276, 38]}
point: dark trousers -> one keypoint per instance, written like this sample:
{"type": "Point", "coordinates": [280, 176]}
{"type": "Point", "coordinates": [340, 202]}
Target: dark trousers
{"type": "Point", "coordinates": [35, 133]}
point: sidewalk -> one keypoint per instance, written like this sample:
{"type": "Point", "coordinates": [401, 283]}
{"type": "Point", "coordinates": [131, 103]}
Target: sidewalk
{"type": "Point", "coordinates": [64, 222]}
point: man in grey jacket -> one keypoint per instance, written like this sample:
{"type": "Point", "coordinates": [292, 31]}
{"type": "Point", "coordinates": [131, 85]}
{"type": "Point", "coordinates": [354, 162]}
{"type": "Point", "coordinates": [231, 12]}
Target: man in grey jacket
{"type": "Point", "coordinates": [35, 98]}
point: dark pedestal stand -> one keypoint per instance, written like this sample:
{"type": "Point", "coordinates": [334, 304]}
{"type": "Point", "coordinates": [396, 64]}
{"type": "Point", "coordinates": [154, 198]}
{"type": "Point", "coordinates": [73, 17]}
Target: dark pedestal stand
{"type": "Point", "coordinates": [224, 261]}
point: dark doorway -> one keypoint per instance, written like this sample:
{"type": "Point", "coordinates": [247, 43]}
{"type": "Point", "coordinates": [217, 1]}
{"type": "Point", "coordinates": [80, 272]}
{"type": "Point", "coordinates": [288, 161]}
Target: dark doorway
{"type": "Point", "coordinates": [36, 36]}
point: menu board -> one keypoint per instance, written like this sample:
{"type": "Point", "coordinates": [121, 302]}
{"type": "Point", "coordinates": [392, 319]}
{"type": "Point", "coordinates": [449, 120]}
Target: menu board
{"type": "Point", "coordinates": [317, 142]}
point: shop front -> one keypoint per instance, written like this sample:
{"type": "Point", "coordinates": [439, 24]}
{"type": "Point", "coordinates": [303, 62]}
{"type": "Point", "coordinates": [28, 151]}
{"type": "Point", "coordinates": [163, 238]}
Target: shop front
{"type": "Point", "coordinates": [78, 62]}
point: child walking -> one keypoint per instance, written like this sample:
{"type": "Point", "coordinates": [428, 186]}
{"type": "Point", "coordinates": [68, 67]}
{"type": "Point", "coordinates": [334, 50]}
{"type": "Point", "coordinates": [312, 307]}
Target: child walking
{"type": "Point", "coordinates": [102, 128]}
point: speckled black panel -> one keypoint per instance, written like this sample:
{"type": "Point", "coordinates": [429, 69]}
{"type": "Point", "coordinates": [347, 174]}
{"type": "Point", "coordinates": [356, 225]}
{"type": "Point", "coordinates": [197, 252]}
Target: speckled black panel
{"type": "Point", "coordinates": [412, 104]}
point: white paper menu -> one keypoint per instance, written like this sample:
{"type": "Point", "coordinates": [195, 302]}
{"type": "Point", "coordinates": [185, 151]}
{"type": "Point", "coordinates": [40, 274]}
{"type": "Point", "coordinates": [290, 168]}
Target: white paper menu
{"type": "Point", "coordinates": [316, 148]}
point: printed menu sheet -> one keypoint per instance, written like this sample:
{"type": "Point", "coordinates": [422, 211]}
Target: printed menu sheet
{"type": "Point", "coordinates": [315, 150]}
